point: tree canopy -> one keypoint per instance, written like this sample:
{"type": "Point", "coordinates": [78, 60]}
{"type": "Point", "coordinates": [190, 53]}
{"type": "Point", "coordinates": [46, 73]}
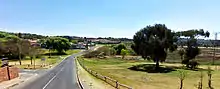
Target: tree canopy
{"type": "Point", "coordinates": [192, 49]}
{"type": "Point", "coordinates": [153, 42]}
{"type": "Point", "coordinates": [57, 43]}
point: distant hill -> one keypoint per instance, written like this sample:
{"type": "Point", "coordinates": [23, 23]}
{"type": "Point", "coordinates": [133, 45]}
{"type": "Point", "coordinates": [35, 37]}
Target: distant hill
{"type": "Point", "coordinates": [36, 36]}
{"type": "Point", "coordinates": [22, 35]}
{"type": "Point", "coordinates": [3, 34]}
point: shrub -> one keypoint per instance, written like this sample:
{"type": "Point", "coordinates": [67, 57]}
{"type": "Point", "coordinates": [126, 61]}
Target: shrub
{"type": "Point", "coordinates": [131, 52]}
{"type": "Point", "coordinates": [200, 85]}
{"type": "Point", "coordinates": [91, 54]}
{"type": "Point", "coordinates": [123, 53]}
{"type": "Point", "coordinates": [112, 51]}
{"type": "Point", "coordinates": [192, 64]}
{"type": "Point", "coordinates": [182, 76]}
{"type": "Point", "coordinates": [209, 72]}
{"type": "Point", "coordinates": [100, 52]}
{"type": "Point", "coordinates": [119, 47]}
{"type": "Point", "coordinates": [105, 50]}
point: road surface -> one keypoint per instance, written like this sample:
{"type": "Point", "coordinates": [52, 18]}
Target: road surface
{"type": "Point", "coordinates": [63, 76]}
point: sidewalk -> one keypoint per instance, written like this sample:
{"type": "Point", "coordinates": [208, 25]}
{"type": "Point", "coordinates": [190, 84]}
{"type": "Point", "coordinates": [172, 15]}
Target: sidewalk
{"type": "Point", "coordinates": [10, 83]}
{"type": "Point", "coordinates": [16, 81]}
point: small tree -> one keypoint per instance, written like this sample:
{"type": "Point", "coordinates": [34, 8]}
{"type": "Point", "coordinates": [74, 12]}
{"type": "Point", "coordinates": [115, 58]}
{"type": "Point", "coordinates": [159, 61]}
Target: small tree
{"type": "Point", "coordinates": [23, 48]}
{"type": "Point", "coordinates": [182, 76]}
{"type": "Point", "coordinates": [33, 52]}
{"type": "Point", "coordinates": [192, 49]}
{"type": "Point", "coordinates": [16, 48]}
{"type": "Point", "coordinates": [181, 52]}
{"type": "Point", "coordinates": [200, 82]}
{"type": "Point", "coordinates": [119, 47]}
{"type": "Point", "coordinates": [124, 53]}
{"type": "Point", "coordinates": [209, 72]}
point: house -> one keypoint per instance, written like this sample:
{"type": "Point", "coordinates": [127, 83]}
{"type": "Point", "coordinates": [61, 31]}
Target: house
{"type": "Point", "coordinates": [34, 42]}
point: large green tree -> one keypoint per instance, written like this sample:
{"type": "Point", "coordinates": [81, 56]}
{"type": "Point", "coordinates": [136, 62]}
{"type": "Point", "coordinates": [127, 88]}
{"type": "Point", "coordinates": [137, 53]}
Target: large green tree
{"type": "Point", "coordinates": [153, 42]}
{"type": "Point", "coordinates": [57, 43]}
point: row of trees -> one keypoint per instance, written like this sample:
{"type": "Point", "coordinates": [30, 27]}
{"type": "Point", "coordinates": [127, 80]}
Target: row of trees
{"type": "Point", "coordinates": [153, 42]}
{"type": "Point", "coordinates": [13, 47]}
{"type": "Point", "coordinates": [23, 35]}
{"type": "Point", "coordinates": [56, 43]}
{"type": "Point", "coordinates": [16, 48]}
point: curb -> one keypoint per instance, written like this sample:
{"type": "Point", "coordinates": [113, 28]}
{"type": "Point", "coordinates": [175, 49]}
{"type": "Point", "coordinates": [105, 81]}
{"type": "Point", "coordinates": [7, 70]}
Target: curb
{"type": "Point", "coordinates": [78, 80]}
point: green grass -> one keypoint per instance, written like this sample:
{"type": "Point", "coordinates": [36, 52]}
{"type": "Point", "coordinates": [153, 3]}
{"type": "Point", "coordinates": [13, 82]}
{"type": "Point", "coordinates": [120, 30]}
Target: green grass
{"type": "Point", "coordinates": [118, 69]}
{"type": "Point", "coordinates": [69, 52]}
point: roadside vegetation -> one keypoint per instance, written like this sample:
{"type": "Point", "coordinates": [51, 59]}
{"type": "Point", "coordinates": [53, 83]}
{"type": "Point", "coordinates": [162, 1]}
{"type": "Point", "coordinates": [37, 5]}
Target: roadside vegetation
{"type": "Point", "coordinates": [134, 73]}
{"type": "Point", "coordinates": [39, 63]}
{"type": "Point", "coordinates": [158, 59]}
{"type": "Point", "coordinates": [20, 50]}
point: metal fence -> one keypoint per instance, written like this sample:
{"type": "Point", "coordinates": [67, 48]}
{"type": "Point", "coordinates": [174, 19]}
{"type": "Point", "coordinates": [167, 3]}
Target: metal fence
{"type": "Point", "coordinates": [108, 80]}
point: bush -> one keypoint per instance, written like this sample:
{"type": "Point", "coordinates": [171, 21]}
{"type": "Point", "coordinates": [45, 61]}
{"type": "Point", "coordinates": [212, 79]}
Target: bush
{"type": "Point", "coordinates": [105, 50]}
{"type": "Point", "coordinates": [119, 47]}
{"type": "Point", "coordinates": [102, 51]}
{"type": "Point", "coordinates": [131, 52]}
{"type": "Point", "coordinates": [91, 54]}
{"type": "Point", "coordinates": [112, 51]}
{"type": "Point", "coordinates": [192, 64]}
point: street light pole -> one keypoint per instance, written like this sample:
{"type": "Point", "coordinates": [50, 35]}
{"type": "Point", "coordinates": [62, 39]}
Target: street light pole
{"type": "Point", "coordinates": [214, 50]}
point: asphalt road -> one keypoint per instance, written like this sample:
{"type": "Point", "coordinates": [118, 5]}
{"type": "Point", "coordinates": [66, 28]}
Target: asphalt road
{"type": "Point", "coordinates": [63, 76]}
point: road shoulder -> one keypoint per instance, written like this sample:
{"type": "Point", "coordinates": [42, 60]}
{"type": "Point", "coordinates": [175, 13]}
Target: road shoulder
{"type": "Point", "coordinates": [90, 82]}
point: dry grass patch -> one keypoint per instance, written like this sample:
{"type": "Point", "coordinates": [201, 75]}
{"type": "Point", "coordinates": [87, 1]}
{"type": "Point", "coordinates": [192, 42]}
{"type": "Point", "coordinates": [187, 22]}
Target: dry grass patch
{"type": "Point", "coordinates": [118, 70]}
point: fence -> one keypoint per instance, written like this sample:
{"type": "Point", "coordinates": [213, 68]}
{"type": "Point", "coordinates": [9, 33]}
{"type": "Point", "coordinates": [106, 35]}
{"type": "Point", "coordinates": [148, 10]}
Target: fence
{"type": "Point", "coordinates": [108, 80]}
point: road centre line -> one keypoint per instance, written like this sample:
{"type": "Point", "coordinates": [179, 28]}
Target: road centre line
{"type": "Point", "coordinates": [45, 86]}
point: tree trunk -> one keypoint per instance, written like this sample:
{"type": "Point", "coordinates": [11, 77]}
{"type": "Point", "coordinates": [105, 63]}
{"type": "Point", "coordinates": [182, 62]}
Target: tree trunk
{"type": "Point", "coordinates": [20, 58]}
{"type": "Point", "coordinates": [157, 64]}
{"type": "Point", "coordinates": [34, 63]}
{"type": "Point", "coordinates": [31, 60]}
{"type": "Point", "coordinates": [19, 52]}
{"type": "Point", "coordinates": [181, 58]}
{"type": "Point", "coordinates": [181, 84]}
{"type": "Point", "coordinates": [49, 53]}
{"type": "Point", "coordinates": [210, 82]}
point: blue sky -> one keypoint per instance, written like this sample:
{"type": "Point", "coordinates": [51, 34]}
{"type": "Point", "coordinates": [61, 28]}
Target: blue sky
{"type": "Point", "coordinates": [104, 18]}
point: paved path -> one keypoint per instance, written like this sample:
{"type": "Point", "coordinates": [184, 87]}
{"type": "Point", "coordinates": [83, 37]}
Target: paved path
{"type": "Point", "coordinates": [63, 76]}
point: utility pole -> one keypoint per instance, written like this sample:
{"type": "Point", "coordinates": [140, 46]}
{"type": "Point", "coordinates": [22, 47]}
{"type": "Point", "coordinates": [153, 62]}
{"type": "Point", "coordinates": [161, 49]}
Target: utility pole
{"type": "Point", "coordinates": [214, 50]}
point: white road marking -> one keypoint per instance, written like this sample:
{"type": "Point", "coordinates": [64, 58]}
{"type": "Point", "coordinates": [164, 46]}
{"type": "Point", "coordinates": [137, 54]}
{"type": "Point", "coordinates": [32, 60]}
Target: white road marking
{"type": "Point", "coordinates": [52, 79]}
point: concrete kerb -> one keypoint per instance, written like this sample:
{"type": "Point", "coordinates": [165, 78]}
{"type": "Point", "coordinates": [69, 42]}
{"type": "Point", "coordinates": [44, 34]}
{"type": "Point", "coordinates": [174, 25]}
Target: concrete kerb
{"type": "Point", "coordinates": [78, 79]}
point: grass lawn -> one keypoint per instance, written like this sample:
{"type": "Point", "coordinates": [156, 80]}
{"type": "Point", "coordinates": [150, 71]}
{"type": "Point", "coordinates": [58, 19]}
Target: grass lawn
{"type": "Point", "coordinates": [53, 60]}
{"type": "Point", "coordinates": [118, 69]}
